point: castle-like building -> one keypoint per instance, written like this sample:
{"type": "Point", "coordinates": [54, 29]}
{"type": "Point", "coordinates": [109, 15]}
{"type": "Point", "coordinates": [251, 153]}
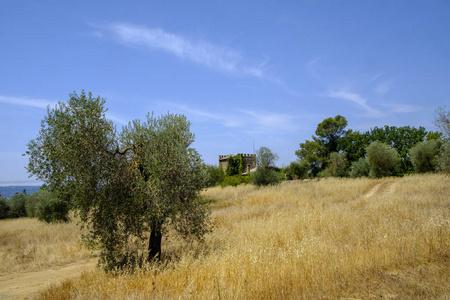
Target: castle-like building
{"type": "Point", "coordinates": [249, 162]}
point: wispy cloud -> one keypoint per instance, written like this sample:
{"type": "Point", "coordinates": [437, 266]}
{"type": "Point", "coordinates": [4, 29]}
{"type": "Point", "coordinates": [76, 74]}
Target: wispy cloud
{"type": "Point", "coordinates": [270, 120]}
{"type": "Point", "coordinates": [39, 103]}
{"type": "Point", "coordinates": [200, 52]}
{"type": "Point", "coordinates": [358, 100]}
{"type": "Point", "coordinates": [403, 108]}
{"type": "Point", "coordinates": [254, 121]}
{"type": "Point", "coordinates": [116, 119]}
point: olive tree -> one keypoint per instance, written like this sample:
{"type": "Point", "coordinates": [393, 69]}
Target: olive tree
{"type": "Point", "coordinates": [337, 166]}
{"type": "Point", "coordinates": [360, 168]}
{"type": "Point", "coordinates": [424, 156]}
{"type": "Point", "coordinates": [383, 160]}
{"type": "Point", "coordinates": [126, 188]}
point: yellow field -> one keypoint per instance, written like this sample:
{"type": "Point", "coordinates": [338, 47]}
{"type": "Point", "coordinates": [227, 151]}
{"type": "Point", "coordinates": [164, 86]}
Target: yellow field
{"type": "Point", "coordinates": [332, 239]}
{"type": "Point", "coordinates": [29, 245]}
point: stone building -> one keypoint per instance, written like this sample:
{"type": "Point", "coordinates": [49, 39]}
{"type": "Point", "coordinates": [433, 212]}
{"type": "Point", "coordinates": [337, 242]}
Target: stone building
{"type": "Point", "coordinates": [249, 162]}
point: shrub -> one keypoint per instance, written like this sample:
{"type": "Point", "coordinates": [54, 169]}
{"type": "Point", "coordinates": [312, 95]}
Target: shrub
{"type": "Point", "coordinates": [337, 166]}
{"type": "Point", "coordinates": [424, 156]}
{"type": "Point", "coordinates": [265, 176]}
{"type": "Point", "coordinates": [235, 180]}
{"type": "Point", "coordinates": [52, 210]}
{"type": "Point", "coordinates": [360, 168]}
{"type": "Point", "coordinates": [4, 208]}
{"type": "Point", "coordinates": [383, 160]}
{"type": "Point", "coordinates": [296, 170]}
{"type": "Point", "coordinates": [213, 175]}
{"type": "Point", "coordinates": [17, 206]}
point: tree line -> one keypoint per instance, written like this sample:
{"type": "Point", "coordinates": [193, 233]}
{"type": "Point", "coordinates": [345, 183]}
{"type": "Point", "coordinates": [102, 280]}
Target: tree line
{"type": "Point", "coordinates": [379, 152]}
{"type": "Point", "coordinates": [335, 151]}
{"type": "Point", "coordinates": [43, 205]}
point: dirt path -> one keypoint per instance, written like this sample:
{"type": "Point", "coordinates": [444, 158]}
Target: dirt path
{"type": "Point", "coordinates": [25, 285]}
{"type": "Point", "coordinates": [382, 187]}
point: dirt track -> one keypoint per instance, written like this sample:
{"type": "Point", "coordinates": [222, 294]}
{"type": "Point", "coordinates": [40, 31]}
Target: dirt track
{"type": "Point", "coordinates": [26, 285]}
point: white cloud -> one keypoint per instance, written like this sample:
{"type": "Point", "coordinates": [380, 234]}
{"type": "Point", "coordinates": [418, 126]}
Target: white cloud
{"type": "Point", "coordinates": [358, 100]}
{"type": "Point", "coordinates": [267, 120]}
{"type": "Point", "coordinates": [256, 122]}
{"type": "Point", "coordinates": [115, 118]}
{"type": "Point", "coordinates": [403, 108]}
{"type": "Point", "coordinates": [201, 52]}
{"type": "Point", "coordinates": [27, 102]}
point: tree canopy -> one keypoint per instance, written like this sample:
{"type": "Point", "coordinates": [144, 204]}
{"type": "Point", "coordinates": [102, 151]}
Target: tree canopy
{"type": "Point", "coordinates": [132, 184]}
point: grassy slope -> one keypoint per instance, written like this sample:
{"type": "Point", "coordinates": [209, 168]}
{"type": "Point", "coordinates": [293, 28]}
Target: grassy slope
{"type": "Point", "coordinates": [333, 239]}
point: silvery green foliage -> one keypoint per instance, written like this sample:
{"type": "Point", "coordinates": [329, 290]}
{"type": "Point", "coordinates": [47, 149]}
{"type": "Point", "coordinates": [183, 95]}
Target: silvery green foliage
{"type": "Point", "coordinates": [123, 187]}
{"type": "Point", "coordinates": [424, 156]}
{"type": "Point", "coordinates": [383, 160]}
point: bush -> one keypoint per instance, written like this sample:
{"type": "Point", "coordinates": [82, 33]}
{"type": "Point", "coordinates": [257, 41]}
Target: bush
{"type": "Point", "coordinates": [52, 210]}
{"type": "Point", "coordinates": [265, 176]}
{"type": "Point", "coordinates": [296, 170]}
{"type": "Point", "coordinates": [4, 208]}
{"type": "Point", "coordinates": [383, 160]}
{"type": "Point", "coordinates": [360, 168]}
{"type": "Point", "coordinates": [235, 180]}
{"type": "Point", "coordinates": [424, 156]}
{"type": "Point", "coordinates": [213, 175]}
{"type": "Point", "coordinates": [337, 166]}
{"type": "Point", "coordinates": [17, 206]}
{"type": "Point", "coordinates": [443, 159]}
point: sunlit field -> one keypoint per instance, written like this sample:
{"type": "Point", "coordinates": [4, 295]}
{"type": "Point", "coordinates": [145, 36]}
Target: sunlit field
{"type": "Point", "coordinates": [29, 245]}
{"type": "Point", "coordinates": [331, 239]}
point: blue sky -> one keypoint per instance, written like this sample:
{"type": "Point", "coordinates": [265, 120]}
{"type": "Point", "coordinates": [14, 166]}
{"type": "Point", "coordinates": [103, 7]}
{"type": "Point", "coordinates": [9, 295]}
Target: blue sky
{"type": "Point", "coordinates": [245, 73]}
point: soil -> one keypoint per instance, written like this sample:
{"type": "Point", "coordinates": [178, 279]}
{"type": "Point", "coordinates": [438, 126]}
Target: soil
{"type": "Point", "coordinates": [25, 285]}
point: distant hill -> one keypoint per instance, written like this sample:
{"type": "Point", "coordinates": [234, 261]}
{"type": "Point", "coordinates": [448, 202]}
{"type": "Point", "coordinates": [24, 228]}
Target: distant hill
{"type": "Point", "coordinates": [8, 191]}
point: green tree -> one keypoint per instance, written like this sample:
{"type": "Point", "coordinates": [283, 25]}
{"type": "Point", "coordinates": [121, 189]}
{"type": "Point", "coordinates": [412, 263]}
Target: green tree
{"type": "Point", "coordinates": [34, 199]}
{"type": "Point", "coordinates": [316, 152]}
{"type": "Point", "coordinates": [383, 160]}
{"type": "Point", "coordinates": [265, 173]}
{"type": "Point", "coordinates": [214, 175]}
{"type": "Point", "coordinates": [120, 190]}
{"type": "Point", "coordinates": [330, 131]}
{"type": "Point", "coordinates": [4, 208]}
{"type": "Point", "coordinates": [17, 205]}
{"type": "Point", "coordinates": [354, 145]}
{"type": "Point", "coordinates": [296, 170]}
{"type": "Point", "coordinates": [337, 167]}
{"type": "Point", "coordinates": [312, 152]}
{"type": "Point", "coordinates": [424, 156]}
{"type": "Point", "coordinates": [360, 168]}
{"type": "Point", "coordinates": [171, 176]}
{"type": "Point", "coordinates": [265, 158]}
{"type": "Point", "coordinates": [402, 139]}
{"type": "Point", "coordinates": [52, 210]}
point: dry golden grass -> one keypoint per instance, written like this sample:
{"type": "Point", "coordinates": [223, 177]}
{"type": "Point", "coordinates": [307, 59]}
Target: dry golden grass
{"type": "Point", "coordinates": [332, 239]}
{"type": "Point", "coordinates": [29, 245]}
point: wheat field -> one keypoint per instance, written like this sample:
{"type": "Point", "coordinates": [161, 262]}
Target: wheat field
{"type": "Point", "coordinates": [331, 239]}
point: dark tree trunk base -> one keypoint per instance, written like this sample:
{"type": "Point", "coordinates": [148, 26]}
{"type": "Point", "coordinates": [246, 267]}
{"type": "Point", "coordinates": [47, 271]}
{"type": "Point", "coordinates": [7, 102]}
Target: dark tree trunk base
{"type": "Point", "coordinates": [154, 245]}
